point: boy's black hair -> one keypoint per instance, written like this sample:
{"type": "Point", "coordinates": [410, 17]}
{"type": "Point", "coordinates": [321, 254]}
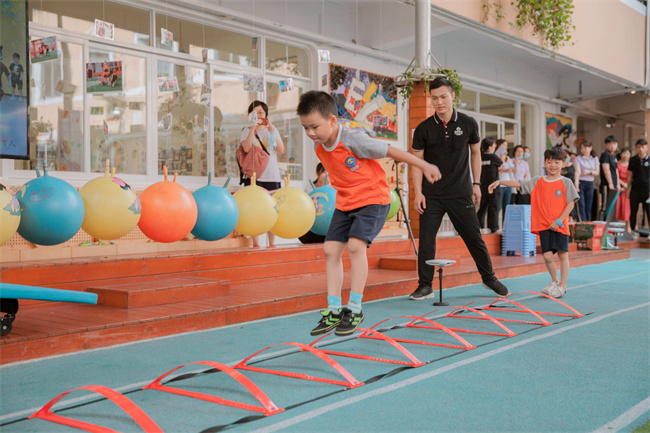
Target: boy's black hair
{"type": "Point", "coordinates": [258, 104]}
{"type": "Point", "coordinates": [486, 143]}
{"type": "Point", "coordinates": [641, 142]}
{"type": "Point", "coordinates": [439, 82]}
{"type": "Point", "coordinates": [320, 169]}
{"type": "Point", "coordinates": [555, 153]}
{"type": "Point", "coordinates": [315, 100]}
{"type": "Point", "coordinates": [17, 55]}
{"type": "Point", "coordinates": [611, 138]}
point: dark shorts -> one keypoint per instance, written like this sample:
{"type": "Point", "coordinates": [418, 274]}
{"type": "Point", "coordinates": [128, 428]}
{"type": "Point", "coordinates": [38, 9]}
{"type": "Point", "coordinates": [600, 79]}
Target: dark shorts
{"type": "Point", "coordinates": [553, 241]}
{"type": "Point", "coordinates": [269, 186]}
{"type": "Point", "coordinates": [17, 83]}
{"type": "Point", "coordinates": [363, 223]}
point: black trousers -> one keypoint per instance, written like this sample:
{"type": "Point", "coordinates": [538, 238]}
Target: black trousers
{"type": "Point", "coordinates": [607, 197]}
{"type": "Point", "coordinates": [462, 214]}
{"type": "Point", "coordinates": [638, 196]}
{"type": "Point", "coordinates": [489, 204]}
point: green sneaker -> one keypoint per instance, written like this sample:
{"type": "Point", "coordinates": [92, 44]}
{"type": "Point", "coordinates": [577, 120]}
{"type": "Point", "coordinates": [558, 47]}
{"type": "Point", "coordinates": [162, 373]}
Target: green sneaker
{"type": "Point", "coordinates": [349, 322]}
{"type": "Point", "coordinates": [328, 322]}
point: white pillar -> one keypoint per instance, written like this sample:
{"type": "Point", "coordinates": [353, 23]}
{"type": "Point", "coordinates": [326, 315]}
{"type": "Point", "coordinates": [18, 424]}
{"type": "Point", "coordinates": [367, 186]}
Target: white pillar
{"type": "Point", "coordinates": [422, 32]}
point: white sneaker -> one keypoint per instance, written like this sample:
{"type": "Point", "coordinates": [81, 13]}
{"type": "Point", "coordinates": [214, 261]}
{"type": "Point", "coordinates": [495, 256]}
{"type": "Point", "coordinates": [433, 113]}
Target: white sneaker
{"type": "Point", "coordinates": [558, 292]}
{"type": "Point", "coordinates": [549, 289]}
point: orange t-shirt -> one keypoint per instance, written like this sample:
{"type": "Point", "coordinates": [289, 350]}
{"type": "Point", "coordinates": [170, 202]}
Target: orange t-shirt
{"type": "Point", "coordinates": [359, 180]}
{"type": "Point", "coordinates": [548, 198]}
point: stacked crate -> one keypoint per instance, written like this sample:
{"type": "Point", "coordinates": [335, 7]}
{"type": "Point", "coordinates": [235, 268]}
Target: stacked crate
{"type": "Point", "coordinates": [517, 237]}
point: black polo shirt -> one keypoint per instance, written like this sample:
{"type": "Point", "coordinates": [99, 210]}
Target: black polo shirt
{"type": "Point", "coordinates": [446, 145]}
{"type": "Point", "coordinates": [640, 169]}
{"type": "Point", "coordinates": [608, 158]}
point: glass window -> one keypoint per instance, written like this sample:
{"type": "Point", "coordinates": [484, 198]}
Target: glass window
{"type": "Point", "coordinates": [56, 111]}
{"type": "Point", "coordinates": [191, 37]}
{"type": "Point", "coordinates": [118, 117]}
{"type": "Point", "coordinates": [282, 113]}
{"type": "Point", "coordinates": [230, 102]}
{"type": "Point", "coordinates": [286, 59]}
{"type": "Point", "coordinates": [509, 129]}
{"type": "Point", "coordinates": [131, 24]}
{"type": "Point", "coordinates": [468, 100]}
{"type": "Point", "coordinates": [182, 123]}
{"type": "Point", "coordinates": [497, 106]}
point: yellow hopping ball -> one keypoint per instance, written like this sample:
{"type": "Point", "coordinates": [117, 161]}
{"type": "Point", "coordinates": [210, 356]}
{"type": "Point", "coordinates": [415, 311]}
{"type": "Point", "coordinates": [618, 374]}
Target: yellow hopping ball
{"type": "Point", "coordinates": [9, 214]}
{"type": "Point", "coordinates": [258, 210]}
{"type": "Point", "coordinates": [296, 212]}
{"type": "Point", "coordinates": [112, 208]}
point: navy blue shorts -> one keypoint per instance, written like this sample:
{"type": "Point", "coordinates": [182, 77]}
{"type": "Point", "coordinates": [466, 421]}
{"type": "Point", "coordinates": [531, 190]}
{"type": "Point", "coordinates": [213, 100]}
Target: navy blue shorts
{"type": "Point", "coordinates": [553, 241]}
{"type": "Point", "coordinates": [363, 223]}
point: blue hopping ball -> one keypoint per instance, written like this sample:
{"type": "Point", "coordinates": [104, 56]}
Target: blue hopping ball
{"type": "Point", "coordinates": [52, 210]}
{"type": "Point", "coordinates": [218, 212]}
{"type": "Point", "coordinates": [324, 199]}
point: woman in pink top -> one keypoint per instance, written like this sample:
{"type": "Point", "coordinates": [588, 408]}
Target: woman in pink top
{"type": "Point", "coordinates": [623, 202]}
{"type": "Point", "coordinates": [522, 172]}
{"type": "Point", "coordinates": [589, 167]}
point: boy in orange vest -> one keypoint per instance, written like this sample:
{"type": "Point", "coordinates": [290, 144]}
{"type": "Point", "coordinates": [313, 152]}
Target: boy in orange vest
{"type": "Point", "coordinates": [362, 202]}
{"type": "Point", "coordinates": [552, 200]}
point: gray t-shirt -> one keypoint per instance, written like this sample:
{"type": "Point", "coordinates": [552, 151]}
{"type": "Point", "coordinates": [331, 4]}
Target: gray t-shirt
{"type": "Point", "coordinates": [359, 143]}
{"type": "Point", "coordinates": [527, 186]}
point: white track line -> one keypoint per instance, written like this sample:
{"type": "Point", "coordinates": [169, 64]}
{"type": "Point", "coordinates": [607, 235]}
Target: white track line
{"type": "Point", "coordinates": [625, 419]}
{"type": "Point", "coordinates": [416, 379]}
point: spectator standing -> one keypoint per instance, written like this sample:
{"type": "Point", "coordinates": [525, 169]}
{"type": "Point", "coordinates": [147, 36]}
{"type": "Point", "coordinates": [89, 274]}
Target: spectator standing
{"type": "Point", "coordinates": [522, 172]}
{"type": "Point", "coordinates": [589, 167]}
{"type": "Point", "coordinates": [506, 172]}
{"type": "Point", "coordinates": [638, 183]}
{"type": "Point", "coordinates": [623, 202]}
{"type": "Point", "coordinates": [490, 164]}
{"type": "Point", "coordinates": [609, 182]}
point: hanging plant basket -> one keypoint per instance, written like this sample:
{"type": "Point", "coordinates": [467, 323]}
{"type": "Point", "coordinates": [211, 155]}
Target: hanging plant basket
{"type": "Point", "coordinates": [414, 73]}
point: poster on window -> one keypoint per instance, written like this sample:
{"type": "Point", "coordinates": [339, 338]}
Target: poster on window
{"type": "Point", "coordinates": [365, 101]}
{"type": "Point", "coordinates": [104, 29]}
{"type": "Point", "coordinates": [103, 77]}
{"type": "Point", "coordinates": [253, 83]}
{"type": "Point", "coordinates": [41, 50]}
{"type": "Point", "coordinates": [14, 80]}
{"type": "Point", "coordinates": [559, 132]}
{"type": "Point", "coordinates": [166, 37]}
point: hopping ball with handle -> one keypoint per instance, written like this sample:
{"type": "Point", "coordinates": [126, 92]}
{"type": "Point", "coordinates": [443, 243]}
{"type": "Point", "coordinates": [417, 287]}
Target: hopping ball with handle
{"type": "Point", "coordinates": [169, 211]}
{"type": "Point", "coordinates": [51, 210]}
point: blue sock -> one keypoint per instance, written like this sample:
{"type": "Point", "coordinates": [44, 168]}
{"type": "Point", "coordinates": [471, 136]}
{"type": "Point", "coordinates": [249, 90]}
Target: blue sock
{"type": "Point", "coordinates": [354, 304]}
{"type": "Point", "coordinates": [334, 304]}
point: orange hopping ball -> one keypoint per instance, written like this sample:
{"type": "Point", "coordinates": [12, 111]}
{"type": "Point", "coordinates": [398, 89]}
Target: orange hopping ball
{"type": "Point", "coordinates": [169, 211]}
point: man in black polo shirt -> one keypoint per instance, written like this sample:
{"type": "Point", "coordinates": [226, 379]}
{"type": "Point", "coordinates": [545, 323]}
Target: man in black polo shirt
{"type": "Point", "coordinates": [609, 181]}
{"type": "Point", "coordinates": [445, 140]}
{"type": "Point", "coordinates": [638, 181]}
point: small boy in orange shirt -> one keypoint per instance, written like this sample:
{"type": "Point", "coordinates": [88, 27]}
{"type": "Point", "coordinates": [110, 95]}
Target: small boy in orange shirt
{"type": "Point", "coordinates": [552, 200]}
{"type": "Point", "coordinates": [362, 202]}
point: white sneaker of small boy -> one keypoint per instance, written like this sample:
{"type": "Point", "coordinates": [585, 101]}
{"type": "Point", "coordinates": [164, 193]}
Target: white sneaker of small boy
{"type": "Point", "coordinates": [557, 291]}
{"type": "Point", "coordinates": [547, 290]}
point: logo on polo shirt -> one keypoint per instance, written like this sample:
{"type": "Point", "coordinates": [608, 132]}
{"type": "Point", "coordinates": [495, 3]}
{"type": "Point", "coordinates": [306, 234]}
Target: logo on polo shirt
{"type": "Point", "coordinates": [458, 131]}
{"type": "Point", "coordinates": [558, 193]}
{"type": "Point", "coordinates": [351, 162]}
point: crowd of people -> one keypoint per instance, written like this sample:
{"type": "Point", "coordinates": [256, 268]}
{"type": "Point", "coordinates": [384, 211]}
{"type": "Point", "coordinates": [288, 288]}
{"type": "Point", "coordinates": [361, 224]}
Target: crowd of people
{"type": "Point", "coordinates": [622, 179]}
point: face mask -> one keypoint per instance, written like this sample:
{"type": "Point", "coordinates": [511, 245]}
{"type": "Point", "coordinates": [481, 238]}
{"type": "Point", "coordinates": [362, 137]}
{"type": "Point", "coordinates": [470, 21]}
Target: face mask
{"type": "Point", "coordinates": [526, 155]}
{"type": "Point", "coordinates": [568, 160]}
{"type": "Point", "coordinates": [489, 153]}
{"type": "Point", "coordinates": [519, 157]}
